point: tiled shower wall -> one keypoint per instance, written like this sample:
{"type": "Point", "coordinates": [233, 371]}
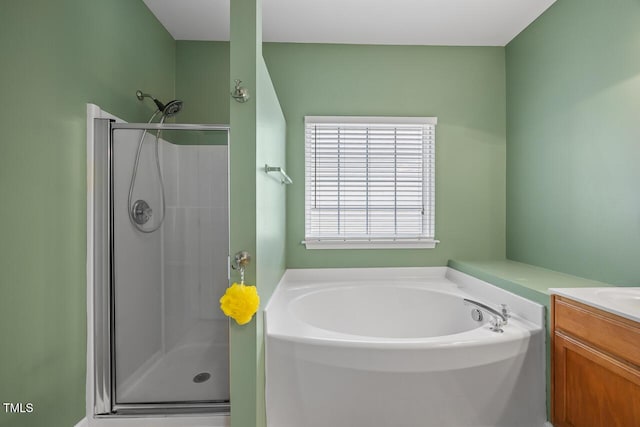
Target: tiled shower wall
{"type": "Point", "coordinates": [196, 237]}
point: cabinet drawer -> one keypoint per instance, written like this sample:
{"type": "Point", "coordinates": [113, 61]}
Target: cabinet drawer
{"type": "Point", "coordinates": [613, 334]}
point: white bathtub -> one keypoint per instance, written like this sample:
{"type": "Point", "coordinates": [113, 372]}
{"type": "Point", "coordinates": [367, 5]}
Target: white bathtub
{"type": "Point", "coordinates": [397, 347]}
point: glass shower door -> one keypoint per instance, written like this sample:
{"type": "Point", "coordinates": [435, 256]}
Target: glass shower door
{"type": "Point", "coordinates": [170, 246]}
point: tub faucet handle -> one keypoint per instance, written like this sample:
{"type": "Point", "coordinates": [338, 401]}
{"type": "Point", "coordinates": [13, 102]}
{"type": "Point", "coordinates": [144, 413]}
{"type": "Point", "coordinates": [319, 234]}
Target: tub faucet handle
{"type": "Point", "coordinates": [496, 324]}
{"type": "Point", "coordinates": [504, 309]}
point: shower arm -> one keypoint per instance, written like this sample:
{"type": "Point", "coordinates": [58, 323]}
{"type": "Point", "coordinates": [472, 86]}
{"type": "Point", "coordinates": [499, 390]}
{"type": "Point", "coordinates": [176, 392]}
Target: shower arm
{"type": "Point", "coordinates": [165, 109]}
{"type": "Point", "coordinates": [141, 95]}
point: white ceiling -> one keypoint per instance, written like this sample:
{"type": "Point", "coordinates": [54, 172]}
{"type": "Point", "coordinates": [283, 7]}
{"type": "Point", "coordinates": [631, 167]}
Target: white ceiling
{"type": "Point", "coordinates": [404, 22]}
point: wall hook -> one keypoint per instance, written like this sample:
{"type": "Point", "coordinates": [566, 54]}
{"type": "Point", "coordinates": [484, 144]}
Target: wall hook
{"type": "Point", "coordinates": [240, 261]}
{"type": "Point", "coordinates": [240, 93]}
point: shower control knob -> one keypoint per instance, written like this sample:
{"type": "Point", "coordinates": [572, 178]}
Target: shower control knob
{"type": "Point", "coordinates": [141, 212]}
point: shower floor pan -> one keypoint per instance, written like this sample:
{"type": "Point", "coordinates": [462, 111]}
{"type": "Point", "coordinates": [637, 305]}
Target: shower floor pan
{"type": "Point", "coordinates": [171, 377]}
{"type": "Point", "coordinates": [195, 370]}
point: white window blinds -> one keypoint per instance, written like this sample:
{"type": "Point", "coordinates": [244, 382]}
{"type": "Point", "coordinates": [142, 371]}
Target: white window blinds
{"type": "Point", "coordinates": [369, 182]}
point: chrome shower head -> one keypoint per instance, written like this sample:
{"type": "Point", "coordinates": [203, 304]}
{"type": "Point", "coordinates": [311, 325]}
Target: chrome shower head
{"type": "Point", "coordinates": [171, 109]}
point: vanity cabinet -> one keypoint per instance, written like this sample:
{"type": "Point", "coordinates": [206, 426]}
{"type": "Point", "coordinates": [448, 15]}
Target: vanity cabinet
{"type": "Point", "coordinates": [595, 367]}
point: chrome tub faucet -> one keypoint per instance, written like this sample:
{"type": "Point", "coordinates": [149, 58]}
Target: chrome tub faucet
{"type": "Point", "coordinates": [498, 318]}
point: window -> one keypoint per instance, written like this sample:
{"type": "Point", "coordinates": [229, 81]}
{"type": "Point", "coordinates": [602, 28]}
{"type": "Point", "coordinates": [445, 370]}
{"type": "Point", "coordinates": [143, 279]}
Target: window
{"type": "Point", "coordinates": [369, 182]}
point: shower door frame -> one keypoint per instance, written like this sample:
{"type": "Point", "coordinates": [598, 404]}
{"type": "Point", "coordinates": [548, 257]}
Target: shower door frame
{"type": "Point", "coordinates": [103, 278]}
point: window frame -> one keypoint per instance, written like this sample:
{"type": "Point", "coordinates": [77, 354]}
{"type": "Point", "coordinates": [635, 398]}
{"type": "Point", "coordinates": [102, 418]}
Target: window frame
{"type": "Point", "coordinates": [377, 242]}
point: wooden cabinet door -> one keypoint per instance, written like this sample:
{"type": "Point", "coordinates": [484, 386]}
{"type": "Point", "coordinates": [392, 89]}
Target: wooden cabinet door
{"type": "Point", "coordinates": [592, 389]}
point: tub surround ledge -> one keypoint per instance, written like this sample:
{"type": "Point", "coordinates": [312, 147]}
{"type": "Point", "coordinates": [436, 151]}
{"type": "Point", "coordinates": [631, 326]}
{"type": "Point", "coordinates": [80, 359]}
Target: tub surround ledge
{"type": "Point", "coordinates": [528, 281]}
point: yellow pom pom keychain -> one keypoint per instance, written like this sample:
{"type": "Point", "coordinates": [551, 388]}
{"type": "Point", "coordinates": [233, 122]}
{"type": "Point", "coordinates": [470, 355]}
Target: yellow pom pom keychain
{"type": "Point", "coordinates": [240, 301]}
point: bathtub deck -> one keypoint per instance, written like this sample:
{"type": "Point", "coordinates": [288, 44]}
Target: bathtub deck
{"type": "Point", "coordinates": [526, 280]}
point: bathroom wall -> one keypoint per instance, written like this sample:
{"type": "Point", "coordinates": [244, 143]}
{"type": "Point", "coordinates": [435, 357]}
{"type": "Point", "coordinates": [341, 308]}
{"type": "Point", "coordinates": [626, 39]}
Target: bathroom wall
{"type": "Point", "coordinates": [202, 81]}
{"type": "Point", "coordinates": [463, 86]}
{"type": "Point", "coordinates": [56, 57]}
{"type": "Point", "coordinates": [573, 141]}
{"type": "Point", "coordinates": [257, 202]}
{"type": "Point", "coordinates": [244, 51]}
{"type": "Point", "coordinates": [270, 208]}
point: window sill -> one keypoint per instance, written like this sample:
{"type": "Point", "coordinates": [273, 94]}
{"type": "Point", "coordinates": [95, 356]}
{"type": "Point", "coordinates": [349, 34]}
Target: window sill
{"type": "Point", "coordinates": [367, 244]}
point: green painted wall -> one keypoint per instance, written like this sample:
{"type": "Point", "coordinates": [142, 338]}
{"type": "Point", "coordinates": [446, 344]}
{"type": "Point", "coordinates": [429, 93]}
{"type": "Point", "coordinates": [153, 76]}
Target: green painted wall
{"type": "Point", "coordinates": [573, 141]}
{"type": "Point", "coordinates": [246, 20]}
{"type": "Point", "coordinates": [257, 202]}
{"type": "Point", "coordinates": [270, 209]}
{"type": "Point", "coordinates": [56, 57]}
{"type": "Point", "coordinates": [202, 77]}
{"type": "Point", "coordinates": [463, 86]}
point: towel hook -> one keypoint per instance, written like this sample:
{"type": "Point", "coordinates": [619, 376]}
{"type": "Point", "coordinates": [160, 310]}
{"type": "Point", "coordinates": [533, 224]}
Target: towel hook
{"type": "Point", "coordinates": [240, 261]}
{"type": "Point", "coordinates": [240, 94]}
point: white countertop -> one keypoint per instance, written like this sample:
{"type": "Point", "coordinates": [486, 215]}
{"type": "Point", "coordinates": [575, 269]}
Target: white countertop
{"type": "Point", "coordinates": [622, 301]}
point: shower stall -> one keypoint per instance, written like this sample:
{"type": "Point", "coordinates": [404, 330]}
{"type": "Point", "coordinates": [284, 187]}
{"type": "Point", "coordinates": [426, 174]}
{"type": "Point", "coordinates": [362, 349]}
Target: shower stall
{"type": "Point", "coordinates": [160, 243]}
